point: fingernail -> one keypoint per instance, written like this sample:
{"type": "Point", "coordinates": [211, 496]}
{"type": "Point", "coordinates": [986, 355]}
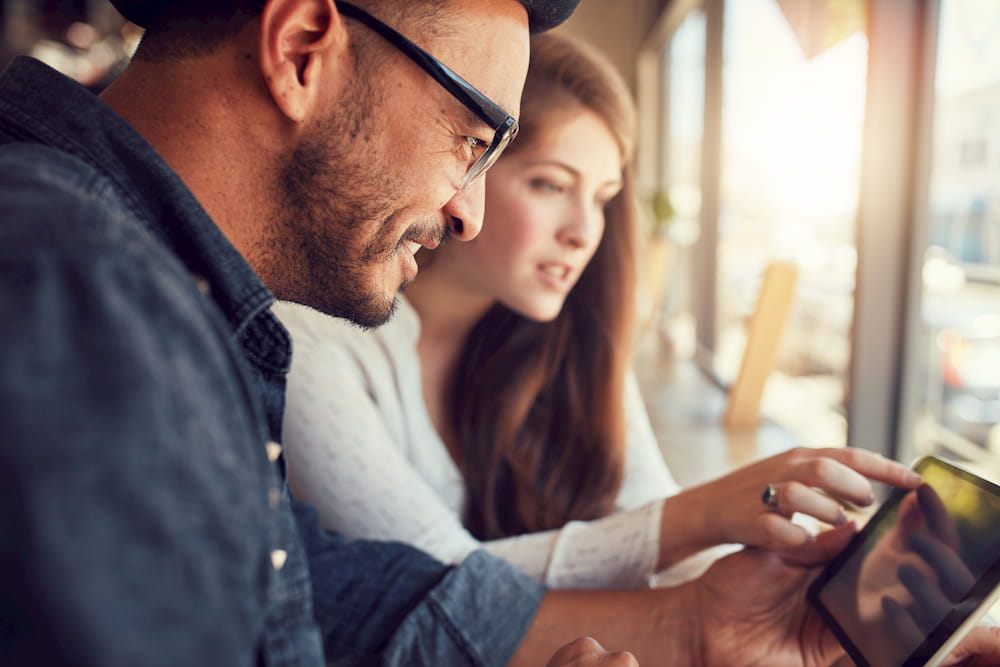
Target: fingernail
{"type": "Point", "coordinates": [913, 478]}
{"type": "Point", "coordinates": [841, 520]}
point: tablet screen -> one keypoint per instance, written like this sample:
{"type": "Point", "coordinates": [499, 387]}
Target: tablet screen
{"type": "Point", "coordinates": [881, 597]}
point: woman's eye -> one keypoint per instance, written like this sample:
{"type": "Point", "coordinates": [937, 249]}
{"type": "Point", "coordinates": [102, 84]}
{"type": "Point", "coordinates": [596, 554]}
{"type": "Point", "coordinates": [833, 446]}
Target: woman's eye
{"type": "Point", "coordinates": [546, 186]}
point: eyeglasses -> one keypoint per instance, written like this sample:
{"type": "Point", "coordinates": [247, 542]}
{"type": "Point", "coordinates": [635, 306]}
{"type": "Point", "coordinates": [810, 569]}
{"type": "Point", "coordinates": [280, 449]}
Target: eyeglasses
{"type": "Point", "coordinates": [503, 124]}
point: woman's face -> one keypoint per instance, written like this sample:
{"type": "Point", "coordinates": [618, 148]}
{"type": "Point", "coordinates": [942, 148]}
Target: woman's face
{"type": "Point", "coordinates": [544, 216]}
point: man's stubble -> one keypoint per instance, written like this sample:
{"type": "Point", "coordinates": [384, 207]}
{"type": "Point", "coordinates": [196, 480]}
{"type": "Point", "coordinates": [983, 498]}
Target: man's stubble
{"type": "Point", "coordinates": [332, 229]}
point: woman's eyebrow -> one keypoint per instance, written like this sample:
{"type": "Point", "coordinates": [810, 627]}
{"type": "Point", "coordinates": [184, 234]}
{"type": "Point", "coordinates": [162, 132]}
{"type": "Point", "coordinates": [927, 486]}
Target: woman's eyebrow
{"type": "Point", "coordinates": [550, 162]}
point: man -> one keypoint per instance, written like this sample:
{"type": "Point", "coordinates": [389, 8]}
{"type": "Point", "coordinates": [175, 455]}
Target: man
{"type": "Point", "coordinates": [141, 391]}
{"type": "Point", "coordinates": [145, 517]}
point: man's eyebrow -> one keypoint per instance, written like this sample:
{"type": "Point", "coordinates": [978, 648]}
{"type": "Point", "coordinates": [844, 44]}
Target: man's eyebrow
{"type": "Point", "coordinates": [473, 120]}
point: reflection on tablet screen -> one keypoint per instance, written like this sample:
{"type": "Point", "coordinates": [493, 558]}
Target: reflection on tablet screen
{"type": "Point", "coordinates": [919, 569]}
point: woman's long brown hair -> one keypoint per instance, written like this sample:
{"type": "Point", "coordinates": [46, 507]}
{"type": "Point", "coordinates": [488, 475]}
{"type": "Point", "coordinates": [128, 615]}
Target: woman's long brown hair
{"type": "Point", "coordinates": [537, 407]}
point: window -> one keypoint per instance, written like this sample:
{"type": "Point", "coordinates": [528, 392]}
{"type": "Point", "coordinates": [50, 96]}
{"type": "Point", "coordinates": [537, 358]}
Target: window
{"type": "Point", "coordinates": [678, 191]}
{"type": "Point", "coordinates": [959, 405]}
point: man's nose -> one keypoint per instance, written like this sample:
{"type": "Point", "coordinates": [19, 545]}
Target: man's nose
{"type": "Point", "coordinates": [465, 210]}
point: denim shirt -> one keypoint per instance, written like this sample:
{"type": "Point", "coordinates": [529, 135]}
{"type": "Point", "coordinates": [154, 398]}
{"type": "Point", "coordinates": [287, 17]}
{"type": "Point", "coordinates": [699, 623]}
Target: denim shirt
{"type": "Point", "coordinates": [144, 514]}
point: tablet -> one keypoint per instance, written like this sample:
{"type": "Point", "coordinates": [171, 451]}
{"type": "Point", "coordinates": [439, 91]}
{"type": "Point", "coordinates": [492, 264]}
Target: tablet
{"type": "Point", "coordinates": [920, 574]}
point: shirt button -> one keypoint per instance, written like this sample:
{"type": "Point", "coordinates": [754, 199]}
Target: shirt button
{"type": "Point", "coordinates": [202, 285]}
{"type": "Point", "coordinates": [278, 558]}
{"type": "Point", "coordinates": [274, 497]}
{"type": "Point", "coordinates": [273, 451]}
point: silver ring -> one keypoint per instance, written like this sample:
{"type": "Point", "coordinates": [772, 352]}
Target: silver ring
{"type": "Point", "coordinates": [770, 496]}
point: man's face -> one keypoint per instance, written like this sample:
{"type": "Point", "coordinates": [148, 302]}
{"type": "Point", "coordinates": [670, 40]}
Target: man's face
{"type": "Point", "coordinates": [381, 175]}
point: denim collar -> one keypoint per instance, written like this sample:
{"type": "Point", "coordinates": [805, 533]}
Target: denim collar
{"type": "Point", "coordinates": [37, 104]}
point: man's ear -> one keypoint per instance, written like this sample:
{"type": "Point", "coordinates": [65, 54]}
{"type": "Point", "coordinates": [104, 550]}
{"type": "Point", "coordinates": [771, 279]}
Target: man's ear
{"type": "Point", "coordinates": [296, 37]}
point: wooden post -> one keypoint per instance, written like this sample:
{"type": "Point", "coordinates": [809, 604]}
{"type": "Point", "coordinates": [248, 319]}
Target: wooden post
{"type": "Point", "coordinates": [774, 302]}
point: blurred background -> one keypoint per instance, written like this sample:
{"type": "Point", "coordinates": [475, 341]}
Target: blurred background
{"type": "Point", "coordinates": [858, 141]}
{"type": "Point", "coordinates": [85, 39]}
{"type": "Point", "coordinates": [852, 140]}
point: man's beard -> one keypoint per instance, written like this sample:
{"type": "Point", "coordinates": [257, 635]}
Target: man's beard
{"type": "Point", "coordinates": [330, 197]}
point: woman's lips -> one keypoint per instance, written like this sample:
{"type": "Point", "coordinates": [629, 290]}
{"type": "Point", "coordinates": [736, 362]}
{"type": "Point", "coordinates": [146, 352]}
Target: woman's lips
{"type": "Point", "coordinates": [556, 275]}
{"type": "Point", "coordinates": [558, 271]}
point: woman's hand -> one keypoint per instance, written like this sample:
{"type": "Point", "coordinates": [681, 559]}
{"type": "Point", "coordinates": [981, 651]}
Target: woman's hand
{"type": "Point", "coordinates": [814, 482]}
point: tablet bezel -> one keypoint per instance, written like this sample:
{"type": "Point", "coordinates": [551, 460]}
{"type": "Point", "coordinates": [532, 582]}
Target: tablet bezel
{"type": "Point", "coordinates": [946, 635]}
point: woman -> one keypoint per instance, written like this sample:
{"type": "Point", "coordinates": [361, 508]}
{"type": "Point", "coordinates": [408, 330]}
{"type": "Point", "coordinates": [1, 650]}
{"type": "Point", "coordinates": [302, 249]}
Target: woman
{"type": "Point", "coordinates": [496, 409]}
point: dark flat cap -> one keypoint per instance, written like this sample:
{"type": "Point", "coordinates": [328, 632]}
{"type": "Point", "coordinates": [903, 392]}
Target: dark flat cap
{"type": "Point", "coordinates": [542, 14]}
{"type": "Point", "coordinates": [547, 14]}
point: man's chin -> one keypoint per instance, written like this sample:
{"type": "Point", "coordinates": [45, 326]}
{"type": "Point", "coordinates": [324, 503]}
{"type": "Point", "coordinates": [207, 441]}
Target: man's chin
{"type": "Point", "coordinates": [367, 312]}
{"type": "Point", "coordinates": [372, 317]}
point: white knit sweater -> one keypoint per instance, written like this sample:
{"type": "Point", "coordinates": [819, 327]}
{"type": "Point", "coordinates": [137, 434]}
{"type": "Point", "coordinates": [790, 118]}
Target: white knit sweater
{"type": "Point", "coordinates": [361, 447]}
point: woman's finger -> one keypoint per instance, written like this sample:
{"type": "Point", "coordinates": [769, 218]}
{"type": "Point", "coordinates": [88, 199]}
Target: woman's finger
{"type": "Point", "coordinates": [796, 497]}
{"type": "Point", "coordinates": [875, 467]}
{"type": "Point", "coordinates": [822, 547]}
{"type": "Point", "coordinates": [779, 531]}
{"type": "Point", "coordinates": [845, 472]}
{"type": "Point", "coordinates": [835, 478]}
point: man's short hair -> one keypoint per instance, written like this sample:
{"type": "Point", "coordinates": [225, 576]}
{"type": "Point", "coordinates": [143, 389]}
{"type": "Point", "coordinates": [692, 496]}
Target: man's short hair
{"type": "Point", "coordinates": [193, 28]}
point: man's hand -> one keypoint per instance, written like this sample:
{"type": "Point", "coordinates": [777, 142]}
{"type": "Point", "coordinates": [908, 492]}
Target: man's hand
{"type": "Point", "coordinates": [587, 652]}
{"type": "Point", "coordinates": [752, 607]}
{"type": "Point", "coordinates": [979, 648]}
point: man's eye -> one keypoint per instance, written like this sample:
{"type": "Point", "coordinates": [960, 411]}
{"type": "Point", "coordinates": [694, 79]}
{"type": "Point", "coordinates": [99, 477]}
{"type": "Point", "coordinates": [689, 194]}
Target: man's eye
{"type": "Point", "coordinates": [476, 145]}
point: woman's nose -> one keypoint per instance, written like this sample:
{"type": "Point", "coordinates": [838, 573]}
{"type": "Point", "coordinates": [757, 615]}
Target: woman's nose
{"type": "Point", "coordinates": [583, 227]}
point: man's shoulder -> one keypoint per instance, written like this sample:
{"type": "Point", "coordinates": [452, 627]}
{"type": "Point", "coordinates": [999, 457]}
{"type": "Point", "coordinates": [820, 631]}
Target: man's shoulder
{"type": "Point", "coordinates": [81, 272]}
{"type": "Point", "coordinates": [29, 162]}
{"type": "Point", "coordinates": [64, 225]}
{"type": "Point", "coordinates": [53, 198]}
